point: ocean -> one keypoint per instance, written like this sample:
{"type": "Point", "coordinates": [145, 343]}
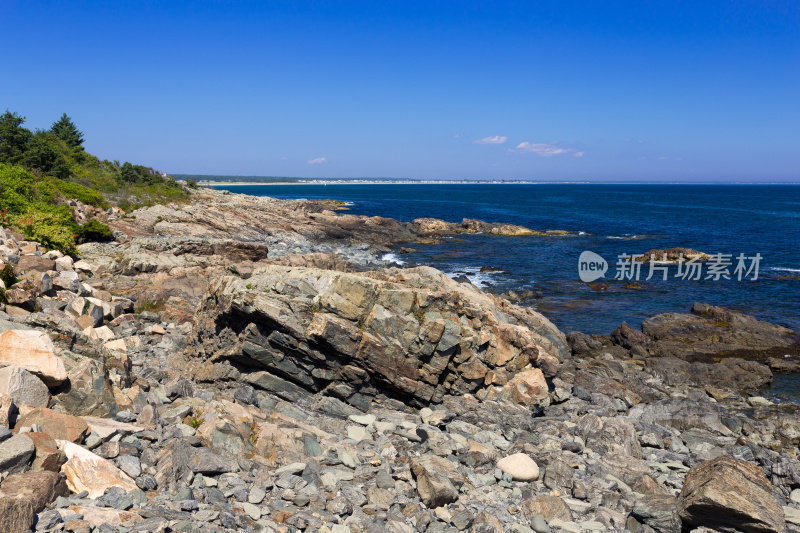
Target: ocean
{"type": "Point", "coordinates": [608, 220]}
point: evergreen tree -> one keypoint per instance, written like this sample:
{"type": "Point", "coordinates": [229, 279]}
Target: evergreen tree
{"type": "Point", "coordinates": [66, 130]}
{"type": "Point", "coordinates": [14, 138]}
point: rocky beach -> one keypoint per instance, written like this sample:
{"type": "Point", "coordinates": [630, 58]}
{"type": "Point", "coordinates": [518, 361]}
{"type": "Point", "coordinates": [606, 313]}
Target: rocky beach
{"type": "Point", "coordinates": [241, 363]}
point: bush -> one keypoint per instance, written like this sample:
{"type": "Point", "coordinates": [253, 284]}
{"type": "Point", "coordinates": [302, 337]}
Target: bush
{"type": "Point", "coordinates": [53, 228]}
{"type": "Point", "coordinates": [7, 276]}
{"type": "Point", "coordinates": [94, 230]}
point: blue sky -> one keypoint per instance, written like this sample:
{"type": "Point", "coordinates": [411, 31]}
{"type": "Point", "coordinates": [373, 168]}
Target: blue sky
{"type": "Point", "coordinates": [545, 90]}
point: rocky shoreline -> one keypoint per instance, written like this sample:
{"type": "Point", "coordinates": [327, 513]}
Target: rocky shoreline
{"type": "Point", "coordinates": [251, 364]}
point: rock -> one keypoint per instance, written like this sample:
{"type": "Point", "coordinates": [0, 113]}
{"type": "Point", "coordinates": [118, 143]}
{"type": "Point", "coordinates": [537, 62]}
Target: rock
{"type": "Point", "coordinates": [438, 480]}
{"type": "Point", "coordinates": [90, 472]}
{"type": "Point", "coordinates": [8, 411]}
{"type": "Point", "coordinates": [520, 467]}
{"type": "Point", "coordinates": [99, 516]}
{"type": "Point", "coordinates": [60, 426]}
{"type": "Point", "coordinates": [34, 263]}
{"type": "Point", "coordinates": [32, 350]}
{"type": "Point", "coordinates": [40, 488]}
{"type": "Point", "coordinates": [16, 453]}
{"type": "Point", "coordinates": [23, 387]}
{"type": "Point", "coordinates": [16, 515]}
{"type": "Point", "coordinates": [628, 337]}
{"type": "Point", "coordinates": [527, 388]}
{"type": "Point", "coordinates": [48, 457]}
{"type": "Point", "coordinates": [715, 332]}
{"type": "Point", "coordinates": [207, 461]}
{"type": "Point", "coordinates": [373, 332]}
{"type": "Point", "coordinates": [728, 494]}
{"type": "Point", "coordinates": [547, 506]}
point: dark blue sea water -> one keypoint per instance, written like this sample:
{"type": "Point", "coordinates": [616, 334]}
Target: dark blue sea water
{"type": "Point", "coordinates": [613, 219]}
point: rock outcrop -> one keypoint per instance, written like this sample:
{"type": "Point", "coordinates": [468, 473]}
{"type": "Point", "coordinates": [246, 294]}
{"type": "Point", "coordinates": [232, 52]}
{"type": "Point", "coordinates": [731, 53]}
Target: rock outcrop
{"type": "Point", "coordinates": [414, 333]}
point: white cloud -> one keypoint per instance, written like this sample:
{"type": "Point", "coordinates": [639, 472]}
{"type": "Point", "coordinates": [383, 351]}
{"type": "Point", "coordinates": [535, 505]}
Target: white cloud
{"type": "Point", "coordinates": [545, 149]}
{"type": "Point", "coordinates": [458, 135]}
{"type": "Point", "coordinates": [317, 161]}
{"type": "Point", "coordinates": [497, 139]}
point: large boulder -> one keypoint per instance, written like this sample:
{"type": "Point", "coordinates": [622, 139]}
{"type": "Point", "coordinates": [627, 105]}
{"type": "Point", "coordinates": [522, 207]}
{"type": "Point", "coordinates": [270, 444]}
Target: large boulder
{"type": "Point", "coordinates": [23, 387]}
{"type": "Point", "coordinates": [414, 333]}
{"type": "Point", "coordinates": [32, 350]}
{"type": "Point", "coordinates": [729, 495]}
{"type": "Point", "coordinates": [90, 472]}
{"type": "Point", "coordinates": [40, 488]}
{"type": "Point", "coordinates": [713, 332]}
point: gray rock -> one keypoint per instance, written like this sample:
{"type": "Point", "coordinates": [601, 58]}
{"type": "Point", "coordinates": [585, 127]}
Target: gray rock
{"type": "Point", "coordinates": [15, 453]}
{"type": "Point", "coordinates": [23, 387]}
{"type": "Point", "coordinates": [246, 395]}
{"type": "Point", "coordinates": [207, 461]}
{"type": "Point", "coordinates": [47, 520]}
{"type": "Point", "coordinates": [130, 465]}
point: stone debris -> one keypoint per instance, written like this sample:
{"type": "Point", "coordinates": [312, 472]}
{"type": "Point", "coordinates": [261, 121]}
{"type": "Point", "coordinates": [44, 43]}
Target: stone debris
{"type": "Point", "coordinates": [251, 364]}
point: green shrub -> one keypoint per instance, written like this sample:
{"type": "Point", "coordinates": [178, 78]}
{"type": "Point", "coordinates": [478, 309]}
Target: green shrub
{"type": "Point", "coordinates": [7, 276]}
{"type": "Point", "coordinates": [94, 230]}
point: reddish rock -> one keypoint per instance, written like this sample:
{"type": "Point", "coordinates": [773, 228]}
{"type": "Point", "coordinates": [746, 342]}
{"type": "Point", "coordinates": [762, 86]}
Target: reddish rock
{"type": "Point", "coordinates": [40, 488]}
{"type": "Point", "coordinates": [34, 263]}
{"type": "Point", "coordinates": [60, 426]}
{"type": "Point", "coordinates": [48, 456]}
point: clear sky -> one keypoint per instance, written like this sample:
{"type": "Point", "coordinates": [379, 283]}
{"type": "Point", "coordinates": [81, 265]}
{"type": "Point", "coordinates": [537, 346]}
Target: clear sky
{"type": "Point", "coordinates": [643, 90]}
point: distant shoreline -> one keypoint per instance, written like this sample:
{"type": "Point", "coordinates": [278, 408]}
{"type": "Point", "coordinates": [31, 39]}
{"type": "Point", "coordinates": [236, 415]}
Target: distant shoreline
{"type": "Point", "coordinates": [384, 182]}
{"type": "Point", "coordinates": [210, 183]}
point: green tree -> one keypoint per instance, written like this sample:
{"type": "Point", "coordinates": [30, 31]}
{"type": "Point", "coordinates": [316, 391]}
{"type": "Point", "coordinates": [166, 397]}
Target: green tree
{"type": "Point", "coordinates": [14, 138]}
{"type": "Point", "coordinates": [46, 153]}
{"type": "Point", "coordinates": [66, 130]}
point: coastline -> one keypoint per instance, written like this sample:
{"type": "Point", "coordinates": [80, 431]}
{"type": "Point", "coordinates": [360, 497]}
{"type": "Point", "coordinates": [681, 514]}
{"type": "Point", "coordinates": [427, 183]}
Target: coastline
{"type": "Point", "coordinates": [263, 348]}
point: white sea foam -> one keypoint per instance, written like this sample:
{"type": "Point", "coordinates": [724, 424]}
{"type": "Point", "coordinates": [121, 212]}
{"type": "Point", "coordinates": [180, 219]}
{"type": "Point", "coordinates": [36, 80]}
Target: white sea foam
{"type": "Point", "coordinates": [474, 275]}
{"type": "Point", "coordinates": [392, 258]}
{"type": "Point", "coordinates": [784, 269]}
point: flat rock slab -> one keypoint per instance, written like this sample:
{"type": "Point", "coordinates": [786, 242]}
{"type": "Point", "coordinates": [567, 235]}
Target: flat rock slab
{"type": "Point", "coordinates": [60, 426]}
{"type": "Point", "coordinates": [34, 351]}
{"type": "Point", "coordinates": [90, 472]}
{"type": "Point", "coordinates": [98, 516]}
{"type": "Point", "coordinates": [106, 428]}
